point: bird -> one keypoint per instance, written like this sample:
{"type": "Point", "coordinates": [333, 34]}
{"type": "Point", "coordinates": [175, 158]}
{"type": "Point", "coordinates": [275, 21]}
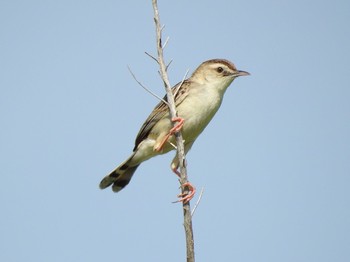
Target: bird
{"type": "Point", "coordinates": [197, 99]}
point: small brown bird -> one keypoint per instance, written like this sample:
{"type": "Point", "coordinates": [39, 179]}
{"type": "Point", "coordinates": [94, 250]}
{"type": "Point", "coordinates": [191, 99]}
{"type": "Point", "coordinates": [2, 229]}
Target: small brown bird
{"type": "Point", "coordinates": [197, 100]}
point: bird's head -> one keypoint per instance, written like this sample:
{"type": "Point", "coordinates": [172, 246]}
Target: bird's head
{"type": "Point", "coordinates": [218, 72]}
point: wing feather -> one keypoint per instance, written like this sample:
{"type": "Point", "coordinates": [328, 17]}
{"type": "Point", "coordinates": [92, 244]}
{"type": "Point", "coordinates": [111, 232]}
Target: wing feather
{"type": "Point", "coordinates": [161, 110]}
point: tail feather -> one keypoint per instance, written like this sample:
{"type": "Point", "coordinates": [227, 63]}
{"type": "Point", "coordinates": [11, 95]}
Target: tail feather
{"type": "Point", "coordinates": [119, 177]}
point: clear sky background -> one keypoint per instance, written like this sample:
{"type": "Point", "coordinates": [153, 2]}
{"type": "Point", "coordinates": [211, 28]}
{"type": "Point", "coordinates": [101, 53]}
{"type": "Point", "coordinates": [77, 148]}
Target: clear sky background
{"type": "Point", "coordinates": [274, 162]}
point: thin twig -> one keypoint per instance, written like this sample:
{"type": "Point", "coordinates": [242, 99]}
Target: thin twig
{"type": "Point", "coordinates": [173, 145]}
{"type": "Point", "coordinates": [198, 201]}
{"type": "Point", "coordinates": [144, 87]}
{"type": "Point", "coordinates": [182, 81]}
{"type": "Point", "coordinates": [166, 68]}
{"type": "Point", "coordinates": [166, 42]}
{"type": "Point", "coordinates": [151, 56]}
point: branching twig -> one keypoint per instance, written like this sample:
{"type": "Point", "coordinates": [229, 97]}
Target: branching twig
{"type": "Point", "coordinates": [178, 136]}
{"type": "Point", "coordinates": [182, 81]}
{"type": "Point", "coordinates": [166, 69]}
{"type": "Point", "coordinates": [151, 56]}
{"type": "Point", "coordinates": [166, 42]}
{"type": "Point", "coordinates": [144, 87]}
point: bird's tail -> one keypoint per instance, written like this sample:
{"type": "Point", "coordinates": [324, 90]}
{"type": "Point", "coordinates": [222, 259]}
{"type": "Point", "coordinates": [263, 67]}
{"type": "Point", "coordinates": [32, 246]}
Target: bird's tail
{"type": "Point", "coordinates": [119, 177]}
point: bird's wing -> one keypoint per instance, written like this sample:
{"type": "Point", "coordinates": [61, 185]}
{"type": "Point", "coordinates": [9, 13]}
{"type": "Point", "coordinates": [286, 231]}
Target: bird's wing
{"type": "Point", "coordinates": [160, 110]}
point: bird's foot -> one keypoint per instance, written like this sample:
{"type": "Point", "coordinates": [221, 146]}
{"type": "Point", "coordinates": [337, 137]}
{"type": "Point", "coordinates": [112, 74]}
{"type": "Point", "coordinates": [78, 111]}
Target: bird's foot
{"type": "Point", "coordinates": [186, 197]}
{"type": "Point", "coordinates": [172, 131]}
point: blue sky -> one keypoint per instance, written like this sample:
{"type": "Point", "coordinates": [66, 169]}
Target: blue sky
{"type": "Point", "coordinates": [274, 162]}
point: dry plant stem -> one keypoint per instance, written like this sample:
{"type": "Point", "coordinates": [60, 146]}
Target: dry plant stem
{"type": "Point", "coordinates": [179, 140]}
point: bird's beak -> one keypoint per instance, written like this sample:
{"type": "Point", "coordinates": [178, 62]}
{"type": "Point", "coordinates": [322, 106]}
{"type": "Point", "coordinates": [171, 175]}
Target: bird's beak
{"type": "Point", "coordinates": [241, 73]}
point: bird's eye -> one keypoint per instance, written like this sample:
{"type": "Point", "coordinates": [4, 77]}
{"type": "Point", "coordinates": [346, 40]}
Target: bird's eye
{"type": "Point", "coordinates": [219, 69]}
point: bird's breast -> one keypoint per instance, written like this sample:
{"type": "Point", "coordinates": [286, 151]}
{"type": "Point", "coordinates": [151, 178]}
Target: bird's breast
{"type": "Point", "coordinates": [197, 110]}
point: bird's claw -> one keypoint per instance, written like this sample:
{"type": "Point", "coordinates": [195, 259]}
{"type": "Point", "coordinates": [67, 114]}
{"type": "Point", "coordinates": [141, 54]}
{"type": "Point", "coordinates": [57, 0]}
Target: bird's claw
{"type": "Point", "coordinates": [186, 197]}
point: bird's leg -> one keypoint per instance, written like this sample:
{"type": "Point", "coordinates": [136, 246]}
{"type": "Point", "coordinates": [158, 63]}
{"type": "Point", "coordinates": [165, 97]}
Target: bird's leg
{"type": "Point", "coordinates": [172, 131]}
{"type": "Point", "coordinates": [184, 197]}
{"type": "Point", "coordinates": [191, 190]}
{"type": "Point", "coordinates": [174, 169]}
